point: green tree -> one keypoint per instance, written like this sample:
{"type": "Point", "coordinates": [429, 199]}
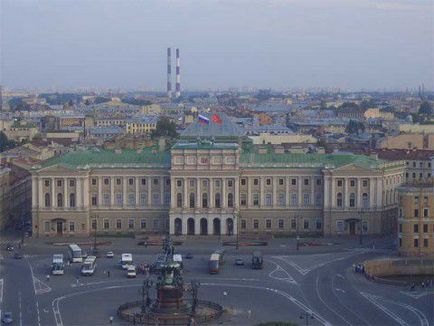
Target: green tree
{"type": "Point", "coordinates": [425, 108]}
{"type": "Point", "coordinates": [5, 143]}
{"type": "Point", "coordinates": [165, 127]}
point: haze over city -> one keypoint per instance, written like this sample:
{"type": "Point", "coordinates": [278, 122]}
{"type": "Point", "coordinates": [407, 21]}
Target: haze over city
{"type": "Point", "coordinates": [372, 44]}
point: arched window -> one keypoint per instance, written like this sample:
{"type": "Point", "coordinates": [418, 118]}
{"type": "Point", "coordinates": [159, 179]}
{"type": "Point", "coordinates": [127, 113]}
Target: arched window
{"type": "Point", "coordinates": [59, 200]}
{"type": "Point", "coordinates": [179, 200]}
{"type": "Point", "coordinates": [339, 200]}
{"type": "Point", "coordinates": [192, 200]}
{"type": "Point", "coordinates": [352, 200]}
{"type": "Point", "coordinates": [230, 200]}
{"type": "Point", "coordinates": [217, 200]}
{"type": "Point", "coordinates": [71, 200]}
{"type": "Point", "coordinates": [365, 200]}
{"type": "Point", "coordinates": [205, 200]}
{"type": "Point", "coordinates": [47, 200]}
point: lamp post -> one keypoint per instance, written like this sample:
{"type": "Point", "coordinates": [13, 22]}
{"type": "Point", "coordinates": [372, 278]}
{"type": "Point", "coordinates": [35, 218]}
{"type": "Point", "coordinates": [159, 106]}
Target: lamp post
{"type": "Point", "coordinates": [194, 290]}
{"type": "Point", "coordinates": [144, 291]}
{"type": "Point", "coordinates": [361, 227]}
{"type": "Point", "coordinates": [306, 316]}
{"type": "Point", "coordinates": [236, 218]}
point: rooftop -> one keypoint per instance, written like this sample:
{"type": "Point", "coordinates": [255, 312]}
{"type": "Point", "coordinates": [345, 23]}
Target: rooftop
{"type": "Point", "coordinates": [204, 145]}
{"type": "Point", "coordinates": [226, 129]}
{"type": "Point", "coordinates": [99, 158]}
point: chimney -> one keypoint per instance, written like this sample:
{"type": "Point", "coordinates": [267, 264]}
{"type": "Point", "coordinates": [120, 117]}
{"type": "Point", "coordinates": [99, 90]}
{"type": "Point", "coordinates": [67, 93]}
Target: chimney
{"type": "Point", "coordinates": [178, 76]}
{"type": "Point", "coordinates": [169, 74]}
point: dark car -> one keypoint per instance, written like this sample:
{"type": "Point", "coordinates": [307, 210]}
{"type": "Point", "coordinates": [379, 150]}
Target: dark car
{"type": "Point", "coordinates": [9, 247]}
{"type": "Point", "coordinates": [188, 256]}
{"type": "Point", "coordinates": [17, 255]}
{"type": "Point", "coordinates": [7, 318]}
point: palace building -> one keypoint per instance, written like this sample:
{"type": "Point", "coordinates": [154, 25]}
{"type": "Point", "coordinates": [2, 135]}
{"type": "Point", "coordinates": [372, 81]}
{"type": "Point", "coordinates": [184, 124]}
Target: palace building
{"type": "Point", "coordinates": [214, 181]}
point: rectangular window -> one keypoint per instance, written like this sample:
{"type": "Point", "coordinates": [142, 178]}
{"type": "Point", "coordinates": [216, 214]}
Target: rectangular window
{"type": "Point", "coordinates": [143, 181]}
{"type": "Point", "coordinates": [255, 199]}
{"type": "Point", "coordinates": [365, 183]}
{"type": "Point", "coordinates": [255, 182]}
{"type": "Point", "coordinates": [416, 243]}
{"type": "Point", "coordinates": [318, 182]}
{"type": "Point", "coordinates": [318, 199]}
{"type": "Point", "coordinates": [59, 183]}
{"type": "Point", "coordinates": [106, 224]}
{"type": "Point", "coordinates": [243, 199]}
{"type": "Point", "coordinates": [281, 182]}
{"type": "Point", "coordinates": [130, 181]}
{"type": "Point", "coordinates": [143, 223]}
{"type": "Point", "coordinates": [118, 181]}
{"type": "Point", "coordinates": [425, 243]}
{"type": "Point", "coordinates": [268, 224]}
{"type": "Point", "coordinates": [119, 199]}
{"type": "Point", "coordinates": [47, 183]}
{"type": "Point", "coordinates": [306, 182]}
{"type": "Point", "coordinates": [268, 181]}
{"type": "Point", "coordinates": [93, 182]}
{"type": "Point", "coordinates": [340, 226]}
{"type": "Point", "coordinates": [416, 228]}
{"type": "Point", "coordinates": [255, 224]}
{"type": "Point", "coordinates": [243, 182]}
{"type": "Point", "coordinates": [425, 212]}
{"type": "Point", "coordinates": [106, 181]}
{"type": "Point", "coordinates": [306, 224]}
{"type": "Point", "coordinates": [294, 182]}
{"type": "Point", "coordinates": [47, 226]}
{"type": "Point", "coordinates": [155, 181]}
{"type": "Point", "coordinates": [425, 228]}
{"type": "Point", "coordinates": [294, 200]}
{"type": "Point", "coordinates": [400, 227]}
{"type": "Point", "coordinates": [94, 200]}
{"type": "Point", "coordinates": [416, 213]}
{"type": "Point", "coordinates": [306, 199]}
{"type": "Point", "coordinates": [230, 183]}
{"type": "Point", "coordinates": [156, 223]}
{"type": "Point", "coordinates": [71, 182]}
{"type": "Point", "coordinates": [106, 199]}
{"type": "Point", "coordinates": [282, 199]}
{"type": "Point", "coordinates": [167, 198]}
{"type": "Point", "coordinates": [352, 183]}
{"type": "Point", "coordinates": [293, 224]}
{"type": "Point", "coordinates": [318, 224]}
{"type": "Point", "coordinates": [268, 199]}
{"type": "Point", "coordinates": [131, 199]}
{"type": "Point", "coordinates": [93, 224]}
{"type": "Point", "coordinates": [178, 183]}
{"type": "Point", "coordinates": [400, 242]}
{"type": "Point", "coordinates": [191, 183]}
{"type": "Point", "coordinates": [131, 223]}
{"type": "Point", "coordinates": [118, 224]}
{"type": "Point", "coordinates": [339, 183]}
{"type": "Point", "coordinates": [155, 199]}
{"type": "Point", "coordinates": [243, 224]}
{"type": "Point", "coordinates": [143, 199]}
{"type": "Point", "coordinates": [281, 224]}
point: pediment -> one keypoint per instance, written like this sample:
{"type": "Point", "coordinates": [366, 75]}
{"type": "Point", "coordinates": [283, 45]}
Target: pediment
{"type": "Point", "coordinates": [57, 168]}
{"type": "Point", "coordinates": [354, 167]}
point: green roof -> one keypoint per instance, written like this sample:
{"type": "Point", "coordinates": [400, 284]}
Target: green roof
{"type": "Point", "coordinates": [110, 159]}
{"type": "Point", "coordinates": [253, 159]}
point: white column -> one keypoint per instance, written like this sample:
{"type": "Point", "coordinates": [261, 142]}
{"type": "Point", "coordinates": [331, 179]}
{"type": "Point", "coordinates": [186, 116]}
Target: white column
{"type": "Point", "coordinates": [35, 196]}
{"type": "Point", "coordinates": [236, 221]}
{"type": "Point", "coordinates": [198, 195]}
{"type": "Point", "coordinates": [223, 228]}
{"type": "Point", "coordinates": [100, 191]}
{"type": "Point", "coordinates": [184, 225]}
{"type": "Point", "coordinates": [312, 191]}
{"type": "Point", "coordinates": [287, 197]}
{"type": "Point", "coordinates": [210, 225]}
{"type": "Point", "coordinates": [326, 192]}
{"type": "Point", "coordinates": [224, 199]}
{"type": "Point", "coordinates": [53, 193]}
{"type": "Point", "coordinates": [162, 185]}
{"type": "Point", "coordinates": [173, 193]}
{"type": "Point", "coordinates": [237, 192]}
{"type": "Point", "coordinates": [86, 192]}
{"type": "Point", "coordinates": [346, 195]}
{"type": "Point", "coordinates": [186, 194]}
{"type": "Point", "coordinates": [371, 193]}
{"type": "Point", "coordinates": [333, 181]}
{"type": "Point", "coordinates": [249, 192]}
{"type": "Point", "coordinates": [41, 195]}
{"type": "Point", "coordinates": [379, 192]}
{"type": "Point", "coordinates": [262, 193]}
{"type": "Point", "coordinates": [65, 193]}
{"type": "Point", "coordinates": [274, 192]}
{"type": "Point", "coordinates": [78, 192]}
{"type": "Point", "coordinates": [112, 192]}
{"type": "Point", "coordinates": [149, 180]}
{"type": "Point", "coordinates": [124, 191]}
{"type": "Point", "coordinates": [196, 225]}
{"type": "Point", "coordinates": [137, 194]}
{"type": "Point", "coordinates": [299, 193]}
{"type": "Point", "coordinates": [171, 225]}
{"type": "Point", "coordinates": [359, 193]}
{"type": "Point", "coordinates": [211, 193]}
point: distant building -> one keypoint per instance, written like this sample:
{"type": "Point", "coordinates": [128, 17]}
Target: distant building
{"type": "Point", "coordinates": [266, 138]}
{"type": "Point", "coordinates": [416, 219]}
{"type": "Point", "coordinates": [141, 125]}
{"type": "Point", "coordinates": [408, 141]}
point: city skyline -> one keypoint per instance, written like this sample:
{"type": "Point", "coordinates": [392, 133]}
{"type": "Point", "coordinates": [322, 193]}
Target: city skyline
{"type": "Point", "coordinates": [280, 44]}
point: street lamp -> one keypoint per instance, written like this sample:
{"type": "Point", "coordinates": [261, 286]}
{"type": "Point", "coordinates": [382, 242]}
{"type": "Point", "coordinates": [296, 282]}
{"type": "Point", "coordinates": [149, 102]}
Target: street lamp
{"type": "Point", "coordinates": [144, 291]}
{"type": "Point", "coordinates": [194, 289]}
{"type": "Point", "coordinates": [306, 316]}
{"type": "Point", "coordinates": [361, 227]}
{"type": "Point", "coordinates": [236, 218]}
{"type": "Point", "coordinates": [298, 242]}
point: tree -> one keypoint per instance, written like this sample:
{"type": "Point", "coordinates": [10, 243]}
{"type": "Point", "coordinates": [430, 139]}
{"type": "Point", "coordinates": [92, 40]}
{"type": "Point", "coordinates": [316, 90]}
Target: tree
{"type": "Point", "coordinates": [353, 127]}
{"type": "Point", "coordinates": [425, 108]}
{"type": "Point", "coordinates": [165, 127]}
{"type": "Point", "coordinates": [5, 143]}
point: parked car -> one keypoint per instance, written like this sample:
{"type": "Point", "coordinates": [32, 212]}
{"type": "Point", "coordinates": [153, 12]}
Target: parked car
{"type": "Point", "coordinates": [189, 256]}
{"type": "Point", "coordinates": [239, 262]}
{"type": "Point", "coordinates": [9, 247]}
{"type": "Point", "coordinates": [109, 254]}
{"type": "Point", "coordinates": [7, 318]}
{"type": "Point", "coordinates": [131, 271]}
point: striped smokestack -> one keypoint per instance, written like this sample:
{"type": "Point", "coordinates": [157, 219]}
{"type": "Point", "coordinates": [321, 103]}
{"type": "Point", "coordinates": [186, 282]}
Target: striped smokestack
{"type": "Point", "coordinates": [169, 74]}
{"type": "Point", "coordinates": [178, 75]}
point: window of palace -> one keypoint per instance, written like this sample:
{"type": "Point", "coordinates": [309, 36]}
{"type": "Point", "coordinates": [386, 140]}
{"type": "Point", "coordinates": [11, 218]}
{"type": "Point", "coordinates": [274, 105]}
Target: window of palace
{"type": "Point", "coordinates": [268, 181]}
{"type": "Point", "coordinates": [243, 199]}
{"type": "Point", "coordinates": [306, 199]}
{"type": "Point", "coordinates": [143, 181]}
{"type": "Point", "coordinates": [255, 224]}
{"type": "Point", "coordinates": [318, 182]}
{"type": "Point", "coordinates": [93, 181]}
{"type": "Point", "coordinates": [293, 224]}
{"type": "Point", "coordinates": [205, 200]}
{"type": "Point", "coordinates": [47, 226]}
{"type": "Point", "coordinates": [230, 183]}
{"type": "Point", "coordinates": [352, 183]}
{"type": "Point", "coordinates": [155, 181]}
{"type": "Point", "coordinates": [282, 199]}
{"type": "Point", "coordinates": [143, 199]}
{"type": "Point", "coordinates": [268, 199]}
{"type": "Point", "coordinates": [118, 181]}
{"type": "Point", "coordinates": [306, 224]}
{"type": "Point", "coordinates": [47, 200]}
{"type": "Point", "coordinates": [131, 199]}
{"type": "Point", "coordinates": [243, 182]}
{"type": "Point", "coordinates": [59, 183]}
{"type": "Point", "coordinates": [243, 224]}
{"type": "Point", "coordinates": [416, 243]}
{"type": "Point", "coordinates": [130, 181]}
{"type": "Point", "coordinates": [47, 182]}
{"type": "Point", "coordinates": [71, 226]}
{"type": "Point", "coordinates": [119, 199]}
{"type": "Point", "coordinates": [294, 200]}
{"type": "Point", "coordinates": [425, 212]}
{"type": "Point", "coordinates": [230, 200]}
{"type": "Point", "coordinates": [131, 223]}
{"type": "Point", "coordinates": [143, 223]}
{"type": "Point", "coordinates": [59, 200]}
{"type": "Point", "coordinates": [106, 181]}
{"type": "Point", "coordinates": [425, 228]}
{"type": "Point", "coordinates": [178, 200]}
{"type": "Point", "coordinates": [191, 200]}
{"type": "Point", "coordinates": [294, 182]}
{"type": "Point", "coordinates": [71, 200]}
{"type": "Point", "coordinates": [255, 182]}
{"type": "Point", "coordinates": [93, 224]}
{"type": "Point", "coordinates": [416, 228]}
{"type": "Point", "coordinates": [255, 199]}
{"type": "Point", "coordinates": [268, 223]}
{"type": "Point", "coordinates": [425, 243]}
{"type": "Point", "coordinates": [365, 183]}
{"type": "Point", "coordinates": [339, 200]}
{"type": "Point", "coordinates": [217, 200]}
{"type": "Point", "coordinates": [318, 224]}
{"type": "Point", "coordinates": [339, 182]}
{"type": "Point", "coordinates": [306, 182]}
{"type": "Point", "coordinates": [155, 199]}
{"type": "Point", "coordinates": [281, 182]}
{"type": "Point", "coordinates": [71, 182]}
{"type": "Point", "coordinates": [106, 224]}
{"type": "Point", "coordinates": [217, 183]}
{"type": "Point", "coordinates": [352, 200]}
{"type": "Point", "coordinates": [281, 224]}
{"type": "Point", "coordinates": [191, 183]}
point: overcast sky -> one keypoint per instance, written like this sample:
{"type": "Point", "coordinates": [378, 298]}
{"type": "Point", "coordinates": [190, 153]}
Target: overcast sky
{"type": "Point", "coordinates": [351, 44]}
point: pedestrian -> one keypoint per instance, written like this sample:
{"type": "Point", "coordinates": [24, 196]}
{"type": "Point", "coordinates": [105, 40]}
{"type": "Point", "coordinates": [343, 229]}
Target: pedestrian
{"type": "Point", "coordinates": [48, 277]}
{"type": "Point", "coordinates": [423, 284]}
{"type": "Point", "coordinates": [77, 279]}
{"type": "Point", "coordinates": [111, 320]}
{"type": "Point", "coordinates": [108, 274]}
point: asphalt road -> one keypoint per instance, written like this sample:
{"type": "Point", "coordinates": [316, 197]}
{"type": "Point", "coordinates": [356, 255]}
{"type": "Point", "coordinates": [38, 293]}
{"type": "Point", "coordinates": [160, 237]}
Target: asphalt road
{"type": "Point", "coordinates": [320, 282]}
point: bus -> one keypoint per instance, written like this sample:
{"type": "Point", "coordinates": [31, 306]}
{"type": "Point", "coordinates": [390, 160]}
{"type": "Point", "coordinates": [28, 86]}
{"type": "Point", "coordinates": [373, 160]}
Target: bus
{"type": "Point", "coordinates": [214, 263]}
{"type": "Point", "coordinates": [257, 260]}
{"type": "Point", "coordinates": [57, 265]}
{"type": "Point", "coordinates": [75, 254]}
{"type": "Point", "coordinates": [89, 265]}
{"type": "Point", "coordinates": [126, 260]}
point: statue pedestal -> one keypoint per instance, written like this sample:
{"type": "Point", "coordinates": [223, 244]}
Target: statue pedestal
{"type": "Point", "coordinates": [170, 300]}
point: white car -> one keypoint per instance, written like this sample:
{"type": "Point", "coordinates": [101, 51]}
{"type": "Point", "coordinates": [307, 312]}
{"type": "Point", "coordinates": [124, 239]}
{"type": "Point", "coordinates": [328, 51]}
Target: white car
{"type": "Point", "coordinates": [131, 271]}
{"type": "Point", "coordinates": [109, 254]}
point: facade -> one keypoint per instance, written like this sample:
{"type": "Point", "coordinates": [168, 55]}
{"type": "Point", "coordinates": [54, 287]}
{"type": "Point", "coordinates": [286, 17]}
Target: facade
{"type": "Point", "coordinates": [416, 219]}
{"type": "Point", "coordinates": [222, 184]}
{"type": "Point", "coordinates": [4, 196]}
{"type": "Point", "coordinates": [142, 125]}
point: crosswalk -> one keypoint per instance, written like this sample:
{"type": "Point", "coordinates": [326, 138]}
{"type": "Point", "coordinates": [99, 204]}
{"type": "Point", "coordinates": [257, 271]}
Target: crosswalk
{"type": "Point", "coordinates": [4, 243]}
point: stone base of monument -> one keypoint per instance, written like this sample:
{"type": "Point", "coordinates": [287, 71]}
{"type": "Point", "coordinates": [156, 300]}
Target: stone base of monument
{"type": "Point", "coordinates": [205, 312]}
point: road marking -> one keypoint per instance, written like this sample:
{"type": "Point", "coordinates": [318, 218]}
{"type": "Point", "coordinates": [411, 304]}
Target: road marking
{"type": "Point", "coordinates": [417, 295]}
{"type": "Point", "coordinates": [341, 276]}
{"type": "Point", "coordinates": [326, 304]}
{"type": "Point", "coordinates": [391, 314]}
{"type": "Point", "coordinates": [280, 269]}
{"type": "Point", "coordinates": [1, 290]}
{"type": "Point", "coordinates": [340, 290]}
{"type": "Point", "coordinates": [21, 315]}
{"type": "Point", "coordinates": [38, 286]}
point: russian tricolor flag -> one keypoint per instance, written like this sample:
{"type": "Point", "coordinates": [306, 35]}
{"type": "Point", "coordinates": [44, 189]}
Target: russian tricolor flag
{"type": "Point", "coordinates": [203, 120]}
